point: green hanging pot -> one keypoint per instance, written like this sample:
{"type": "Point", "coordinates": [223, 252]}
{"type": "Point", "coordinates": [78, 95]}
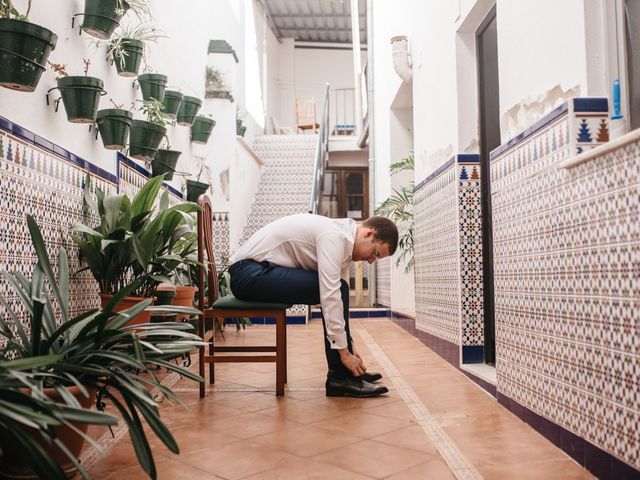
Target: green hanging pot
{"type": "Point", "coordinates": [101, 17]}
{"type": "Point", "coordinates": [195, 189]}
{"type": "Point", "coordinates": [188, 110]}
{"type": "Point", "coordinates": [114, 125]}
{"type": "Point", "coordinates": [24, 49]}
{"type": "Point", "coordinates": [145, 139]}
{"type": "Point", "coordinates": [152, 86]}
{"type": "Point", "coordinates": [165, 163]}
{"type": "Point", "coordinates": [128, 62]}
{"type": "Point", "coordinates": [240, 130]}
{"type": "Point", "coordinates": [171, 103]}
{"type": "Point", "coordinates": [80, 96]}
{"type": "Point", "coordinates": [201, 129]}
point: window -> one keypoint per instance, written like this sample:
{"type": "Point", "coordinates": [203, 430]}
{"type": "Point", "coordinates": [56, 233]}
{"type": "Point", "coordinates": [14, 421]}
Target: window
{"type": "Point", "coordinates": [345, 193]}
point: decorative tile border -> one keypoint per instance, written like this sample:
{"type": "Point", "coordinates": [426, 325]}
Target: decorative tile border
{"type": "Point", "coordinates": [448, 229]}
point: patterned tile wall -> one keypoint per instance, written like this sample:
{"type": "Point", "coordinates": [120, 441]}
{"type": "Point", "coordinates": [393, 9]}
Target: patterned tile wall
{"type": "Point", "coordinates": [46, 181]}
{"type": "Point", "coordinates": [448, 253]}
{"type": "Point", "coordinates": [567, 270]}
{"type": "Point", "coordinates": [436, 255]}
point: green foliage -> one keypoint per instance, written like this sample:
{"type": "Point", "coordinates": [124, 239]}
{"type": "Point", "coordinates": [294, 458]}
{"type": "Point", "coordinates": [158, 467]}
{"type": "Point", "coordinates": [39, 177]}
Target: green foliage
{"type": "Point", "coordinates": [134, 241]}
{"type": "Point", "coordinates": [94, 348]}
{"type": "Point", "coordinates": [153, 110]}
{"type": "Point", "coordinates": [7, 10]}
{"type": "Point", "coordinates": [399, 208]}
{"type": "Point", "coordinates": [144, 32]}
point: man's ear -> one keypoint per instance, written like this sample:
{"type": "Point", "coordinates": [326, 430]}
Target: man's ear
{"type": "Point", "coordinates": [370, 232]}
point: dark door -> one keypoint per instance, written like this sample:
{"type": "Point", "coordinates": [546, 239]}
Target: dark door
{"type": "Point", "coordinates": [487, 52]}
{"type": "Point", "coordinates": [345, 193]}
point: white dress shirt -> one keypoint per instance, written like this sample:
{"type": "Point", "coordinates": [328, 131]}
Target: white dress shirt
{"type": "Point", "coordinates": [310, 242]}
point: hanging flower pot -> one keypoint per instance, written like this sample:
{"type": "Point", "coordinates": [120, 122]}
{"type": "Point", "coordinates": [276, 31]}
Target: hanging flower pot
{"type": "Point", "coordinates": [152, 86]}
{"type": "Point", "coordinates": [188, 110]}
{"type": "Point", "coordinates": [171, 103]}
{"type": "Point", "coordinates": [24, 52]}
{"type": "Point", "coordinates": [165, 162]}
{"type": "Point", "coordinates": [81, 96]}
{"type": "Point", "coordinates": [201, 129]}
{"type": "Point", "coordinates": [114, 125]}
{"type": "Point", "coordinates": [128, 58]}
{"type": "Point", "coordinates": [101, 17]}
{"type": "Point", "coordinates": [195, 189]}
{"type": "Point", "coordinates": [145, 139]}
{"type": "Point", "coordinates": [240, 129]}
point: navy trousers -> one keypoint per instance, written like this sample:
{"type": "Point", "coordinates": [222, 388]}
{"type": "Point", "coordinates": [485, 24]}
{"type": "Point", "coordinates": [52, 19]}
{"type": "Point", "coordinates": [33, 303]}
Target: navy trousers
{"type": "Point", "coordinates": [268, 282]}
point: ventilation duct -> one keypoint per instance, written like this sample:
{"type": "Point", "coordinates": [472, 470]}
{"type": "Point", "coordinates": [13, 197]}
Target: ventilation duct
{"type": "Point", "coordinates": [401, 58]}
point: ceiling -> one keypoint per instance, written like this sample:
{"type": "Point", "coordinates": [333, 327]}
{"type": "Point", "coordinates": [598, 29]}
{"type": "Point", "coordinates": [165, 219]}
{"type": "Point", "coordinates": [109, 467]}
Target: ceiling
{"type": "Point", "coordinates": [325, 21]}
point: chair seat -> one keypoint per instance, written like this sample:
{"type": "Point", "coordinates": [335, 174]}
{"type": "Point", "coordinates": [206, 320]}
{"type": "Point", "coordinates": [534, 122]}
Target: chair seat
{"type": "Point", "coordinates": [230, 302]}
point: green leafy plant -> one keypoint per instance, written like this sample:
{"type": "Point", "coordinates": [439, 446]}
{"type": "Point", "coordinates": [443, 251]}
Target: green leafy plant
{"type": "Point", "coordinates": [140, 8]}
{"type": "Point", "coordinates": [153, 111]}
{"type": "Point", "coordinates": [215, 86]}
{"type": "Point", "coordinates": [93, 349]}
{"type": "Point", "coordinates": [7, 10]}
{"type": "Point", "coordinates": [145, 32]}
{"type": "Point", "coordinates": [133, 241]}
{"type": "Point", "coordinates": [399, 208]}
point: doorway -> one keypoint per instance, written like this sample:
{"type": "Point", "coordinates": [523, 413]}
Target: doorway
{"type": "Point", "coordinates": [489, 120]}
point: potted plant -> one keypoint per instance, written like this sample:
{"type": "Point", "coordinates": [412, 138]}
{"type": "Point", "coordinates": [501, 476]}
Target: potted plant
{"type": "Point", "coordinates": [399, 208]}
{"type": "Point", "coordinates": [132, 242]}
{"type": "Point", "coordinates": [80, 94]}
{"type": "Point", "coordinates": [92, 352]}
{"type": "Point", "coordinates": [171, 103]}
{"type": "Point", "coordinates": [128, 46]}
{"type": "Point", "coordinates": [240, 128]}
{"type": "Point", "coordinates": [147, 135]}
{"type": "Point", "coordinates": [25, 49]}
{"type": "Point", "coordinates": [164, 162]}
{"type": "Point", "coordinates": [201, 129]}
{"type": "Point", "coordinates": [152, 86]}
{"type": "Point", "coordinates": [188, 110]}
{"type": "Point", "coordinates": [114, 125]}
{"type": "Point", "coordinates": [215, 86]}
{"type": "Point", "coordinates": [102, 17]}
{"type": "Point", "coordinates": [195, 188]}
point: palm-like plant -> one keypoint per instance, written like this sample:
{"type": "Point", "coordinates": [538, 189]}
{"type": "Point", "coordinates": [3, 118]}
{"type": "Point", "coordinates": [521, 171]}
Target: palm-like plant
{"type": "Point", "coordinates": [399, 208]}
{"type": "Point", "coordinates": [131, 243]}
{"type": "Point", "coordinates": [93, 349]}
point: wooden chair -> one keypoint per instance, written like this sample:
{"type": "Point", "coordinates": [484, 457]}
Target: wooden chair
{"type": "Point", "coordinates": [217, 309]}
{"type": "Point", "coordinates": [306, 116]}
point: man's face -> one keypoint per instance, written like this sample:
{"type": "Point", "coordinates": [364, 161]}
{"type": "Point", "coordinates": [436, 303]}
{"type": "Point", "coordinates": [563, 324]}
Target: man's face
{"type": "Point", "coordinates": [368, 248]}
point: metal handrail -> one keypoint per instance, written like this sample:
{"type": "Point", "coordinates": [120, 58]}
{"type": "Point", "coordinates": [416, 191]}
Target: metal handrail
{"type": "Point", "coordinates": [320, 162]}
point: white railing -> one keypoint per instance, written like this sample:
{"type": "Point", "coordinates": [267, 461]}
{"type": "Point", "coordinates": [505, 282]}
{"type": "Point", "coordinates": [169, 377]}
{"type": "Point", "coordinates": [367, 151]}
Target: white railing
{"type": "Point", "coordinates": [322, 149]}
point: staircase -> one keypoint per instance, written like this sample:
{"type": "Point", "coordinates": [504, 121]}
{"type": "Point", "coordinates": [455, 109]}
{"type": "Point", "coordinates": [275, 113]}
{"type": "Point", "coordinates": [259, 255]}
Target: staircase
{"type": "Point", "coordinates": [286, 179]}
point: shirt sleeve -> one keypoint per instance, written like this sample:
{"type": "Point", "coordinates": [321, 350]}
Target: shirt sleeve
{"type": "Point", "coordinates": [330, 252]}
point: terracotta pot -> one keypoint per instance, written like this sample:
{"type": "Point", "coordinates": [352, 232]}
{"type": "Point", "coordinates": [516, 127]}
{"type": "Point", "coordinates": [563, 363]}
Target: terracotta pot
{"type": "Point", "coordinates": [184, 298]}
{"type": "Point", "coordinates": [128, 302]}
{"type": "Point", "coordinates": [16, 464]}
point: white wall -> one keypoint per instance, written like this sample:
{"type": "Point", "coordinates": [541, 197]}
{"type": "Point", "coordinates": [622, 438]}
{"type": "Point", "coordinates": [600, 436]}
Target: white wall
{"type": "Point", "coordinates": [182, 56]}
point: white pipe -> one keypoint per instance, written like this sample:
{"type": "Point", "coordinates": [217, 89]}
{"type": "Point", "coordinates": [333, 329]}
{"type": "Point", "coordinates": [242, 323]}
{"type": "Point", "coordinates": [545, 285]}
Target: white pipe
{"type": "Point", "coordinates": [373, 298]}
{"type": "Point", "coordinates": [401, 57]}
{"type": "Point", "coordinates": [357, 64]}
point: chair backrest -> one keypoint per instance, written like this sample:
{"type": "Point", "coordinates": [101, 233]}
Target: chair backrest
{"type": "Point", "coordinates": [306, 113]}
{"type": "Point", "coordinates": [205, 246]}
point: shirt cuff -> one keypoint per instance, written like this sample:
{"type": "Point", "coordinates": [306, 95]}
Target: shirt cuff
{"type": "Point", "coordinates": [338, 341]}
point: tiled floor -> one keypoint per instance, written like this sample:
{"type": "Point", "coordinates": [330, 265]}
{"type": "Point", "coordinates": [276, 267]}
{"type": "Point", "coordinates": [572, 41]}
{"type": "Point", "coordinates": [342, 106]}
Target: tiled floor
{"type": "Point", "coordinates": [434, 424]}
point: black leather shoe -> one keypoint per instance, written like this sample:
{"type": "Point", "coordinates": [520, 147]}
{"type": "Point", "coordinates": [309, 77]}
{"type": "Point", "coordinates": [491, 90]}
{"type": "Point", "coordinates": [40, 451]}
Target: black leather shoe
{"type": "Point", "coordinates": [370, 377]}
{"type": "Point", "coordinates": [352, 387]}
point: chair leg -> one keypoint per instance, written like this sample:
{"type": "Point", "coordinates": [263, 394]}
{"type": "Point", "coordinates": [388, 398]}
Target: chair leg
{"type": "Point", "coordinates": [201, 330]}
{"type": "Point", "coordinates": [284, 328]}
{"type": "Point", "coordinates": [280, 353]}
{"type": "Point", "coordinates": [212, 365]}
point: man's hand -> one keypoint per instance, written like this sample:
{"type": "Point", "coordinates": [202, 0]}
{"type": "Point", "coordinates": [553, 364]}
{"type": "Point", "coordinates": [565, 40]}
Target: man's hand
{"type": "Point", "coordinates": [352, 362]}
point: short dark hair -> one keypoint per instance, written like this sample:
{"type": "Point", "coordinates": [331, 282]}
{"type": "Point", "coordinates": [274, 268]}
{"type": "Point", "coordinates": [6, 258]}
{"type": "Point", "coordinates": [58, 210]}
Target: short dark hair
{"type": "Point", "coordinates": [386, 231]}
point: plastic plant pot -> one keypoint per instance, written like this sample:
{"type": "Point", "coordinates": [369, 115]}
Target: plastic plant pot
{"type": "Point", "coordinates": [165, 163]}
{"type": "Point", "coordinates": [145, 139]}
{"type": "Point", "coordinates": [195, 189]}
{"type": "Point", "coordinates": [171, 103]}
{"type": "Point", "coordinates": [80, 96]}
{"type": "Point", "coordinates": [114, 125]}
{"type": "Point", "coordinates": [201, 129]}
{"type": "Point", "coordinates": [152, 86]}
{"type": "Point", "coordinates": [129, 64]}
{"type": "Point", "coordinates": [102, 17]}
{"type": "Point", "coordinates": [188, 110]}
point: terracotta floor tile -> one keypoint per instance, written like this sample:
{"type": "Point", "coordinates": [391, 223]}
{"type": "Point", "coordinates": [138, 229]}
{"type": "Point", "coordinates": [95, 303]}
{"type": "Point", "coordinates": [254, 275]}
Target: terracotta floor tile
{"type": "Point", "coordinates": [553, 470]}
{"type": "Point", "coordinates": [373, 459]}
{"type": "Point", "coordinates": [250, 425]}
{"type": "Point", "coordinates": [307, 470]}
{"type": "Point", "coordinates": [361, 424]}
{"type": "Point", "coordinates": [237, 459]}
{"type": "Point", "coordinates": [304, 441]}
{"type": "Point", "coordinates": [302, 412]}
{"type": "Point", "coordinates": [412, 437]}
{"type": "Point", "coordinates": [434, 469]}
